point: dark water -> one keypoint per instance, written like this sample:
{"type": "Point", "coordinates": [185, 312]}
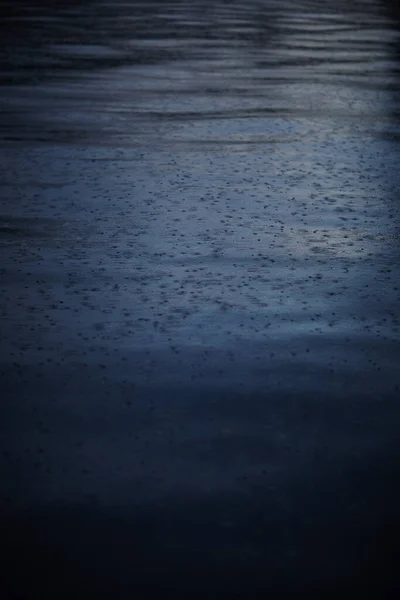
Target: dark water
{"type": "Point", "coordinates": [200, 334]}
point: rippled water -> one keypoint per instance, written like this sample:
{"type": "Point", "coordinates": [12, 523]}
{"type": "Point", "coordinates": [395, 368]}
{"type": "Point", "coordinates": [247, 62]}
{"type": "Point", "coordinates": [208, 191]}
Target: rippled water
{"type": "Point", "coordinates": [199, 230]}
{"type": "Point", "coordinates": [257, 72]}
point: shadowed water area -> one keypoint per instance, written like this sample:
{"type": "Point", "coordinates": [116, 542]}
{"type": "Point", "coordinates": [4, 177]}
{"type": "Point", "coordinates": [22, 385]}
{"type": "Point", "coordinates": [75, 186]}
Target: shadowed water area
{"type": "Point", "coordinates": [200, 299]}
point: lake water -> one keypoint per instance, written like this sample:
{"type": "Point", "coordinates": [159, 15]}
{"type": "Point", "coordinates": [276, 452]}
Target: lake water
{"type": "Point", "coordinates": [200, 337]}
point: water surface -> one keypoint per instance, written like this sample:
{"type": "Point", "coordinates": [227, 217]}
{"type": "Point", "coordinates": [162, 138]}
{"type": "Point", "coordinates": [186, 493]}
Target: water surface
{"type": "Point", "coordinates": [199, 230]}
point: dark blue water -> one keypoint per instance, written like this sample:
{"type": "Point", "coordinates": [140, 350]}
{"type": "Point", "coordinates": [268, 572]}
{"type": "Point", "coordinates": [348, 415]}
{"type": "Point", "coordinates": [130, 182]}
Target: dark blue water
{"type": "Point", "coordinates": [199, 277]}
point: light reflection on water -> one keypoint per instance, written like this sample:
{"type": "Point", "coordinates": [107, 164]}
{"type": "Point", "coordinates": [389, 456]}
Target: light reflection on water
{"type": "Point", "coordinates": [214, 134]}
